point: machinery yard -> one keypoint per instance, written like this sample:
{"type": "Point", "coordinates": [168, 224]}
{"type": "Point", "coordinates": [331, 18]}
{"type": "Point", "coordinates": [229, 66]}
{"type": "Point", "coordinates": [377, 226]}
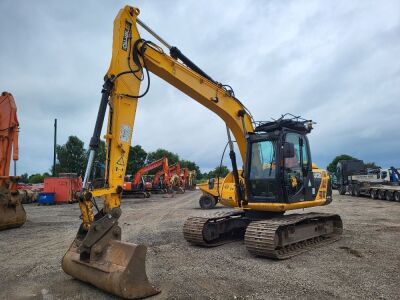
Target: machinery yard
{"type": "Point", "coordinates": [165, 200]}
{"type": "Point", "coordinates": [364, 263]}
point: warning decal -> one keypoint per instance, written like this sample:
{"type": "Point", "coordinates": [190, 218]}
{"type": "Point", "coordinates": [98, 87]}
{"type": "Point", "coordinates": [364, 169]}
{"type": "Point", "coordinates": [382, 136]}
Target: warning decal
{"type": "Point", "coordinates": [125, 133]}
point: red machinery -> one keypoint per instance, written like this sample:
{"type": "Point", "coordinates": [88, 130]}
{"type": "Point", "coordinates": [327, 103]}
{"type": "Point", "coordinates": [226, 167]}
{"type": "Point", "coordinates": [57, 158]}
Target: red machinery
{"type": "Point", "coordinates": [137, 187]}
{"type": "Point", "coordinates": [12, 213]}
{"type": "Point", "coordinates": [175, 178]}
{"type": "Point", "coordinates": [191, 185]}
{"type": "Point", "coordinates": [29, 192]}
{"type": "Point", "coordinates": [188, 179]}
{"type": "Point", "coordinates": [185, 177]}
{"type": "Point", "coordinates": [163, 185]}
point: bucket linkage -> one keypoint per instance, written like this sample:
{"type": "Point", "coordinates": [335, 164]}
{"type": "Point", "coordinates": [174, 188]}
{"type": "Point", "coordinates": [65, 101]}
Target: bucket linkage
{"type": "Point", "coordinates": [100, 258]}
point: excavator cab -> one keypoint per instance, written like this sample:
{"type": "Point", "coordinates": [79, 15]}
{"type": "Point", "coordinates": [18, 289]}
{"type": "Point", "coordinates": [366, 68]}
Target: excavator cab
{"type": "Point", "coordinates": [279, 152]}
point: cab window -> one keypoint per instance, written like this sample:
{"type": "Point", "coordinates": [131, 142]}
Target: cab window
{"type": "Point", "coordinates": [263, 160]}
{"type": "Point", "coordinates": [300, 153]}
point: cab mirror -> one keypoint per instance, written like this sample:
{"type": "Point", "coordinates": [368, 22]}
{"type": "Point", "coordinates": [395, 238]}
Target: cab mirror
{"type": "Point", "coordinates": [211, 183]}
{"type": "Point", "coordinates": [288, 150]}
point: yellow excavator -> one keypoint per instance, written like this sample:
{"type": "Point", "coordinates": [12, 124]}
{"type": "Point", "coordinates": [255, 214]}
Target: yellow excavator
{"type": "Point", "coordinates": [277, 174]}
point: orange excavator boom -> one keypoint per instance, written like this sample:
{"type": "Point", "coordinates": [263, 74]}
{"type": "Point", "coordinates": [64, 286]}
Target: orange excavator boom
{"type": "Point", "coordinates": [185, 175]}
{"type": "Point", "coordinates": [175, 177]}
{"type": "Point", "coordinates": [163, 172]}
{"type": "Point", "coordinates": [163, 162]}
{"type": "Point", "coordinates": [12, 213]}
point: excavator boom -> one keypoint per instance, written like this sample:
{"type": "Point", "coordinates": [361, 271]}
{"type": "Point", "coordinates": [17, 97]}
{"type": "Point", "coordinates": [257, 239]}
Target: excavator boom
{"type": "Point", "coordinates": [176, 178]}
{"type": "Point", "coordinates": [157, 177]}
{"type": "Point", "coordinates": [151, 166]}
{"type": "Point", "coordinates": [12, 213]}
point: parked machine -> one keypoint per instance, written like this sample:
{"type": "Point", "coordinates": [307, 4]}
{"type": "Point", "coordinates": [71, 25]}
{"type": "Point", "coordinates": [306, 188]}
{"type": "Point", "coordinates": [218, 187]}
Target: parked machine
{"type": "Point", "coordinates": [175, 178]}
{"type": "Point", "coordinates": [148, 182]}
{"type": "Point", "coordinates": [346, 168]}
{"type": "Point", "coordinates": [276, 155]}
{"type": "Point", "coordinates": [161, 181]}
{"type": "Point", "coordinates": [137, 187]}
{"type": "Point", "coordinates": [185, 177]}
{"type": "Point", "coordinates": [354, 178]}
{"type": "Point", "coordinates": [390, 175]}
{"type": "Point", "coordinates": [188, 179]}
{"type": "Point", "coordinates": [191, 180]}
{"type": "Point", "coordinates": [12, 213]}
{"type": "Point", "coordinates": [210, 192]}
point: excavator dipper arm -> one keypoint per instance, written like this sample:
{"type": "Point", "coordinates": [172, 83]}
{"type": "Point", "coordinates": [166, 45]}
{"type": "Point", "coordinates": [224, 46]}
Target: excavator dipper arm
{"type": "Point", "coordinates": [95, 255]}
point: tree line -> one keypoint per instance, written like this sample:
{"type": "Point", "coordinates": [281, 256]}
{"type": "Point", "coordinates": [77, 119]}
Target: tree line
{"type": "Point", "coordinates": [72, 157]}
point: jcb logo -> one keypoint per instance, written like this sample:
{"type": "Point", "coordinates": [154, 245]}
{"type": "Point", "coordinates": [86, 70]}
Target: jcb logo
{"type": "Point", "coordinates": [127, 33]}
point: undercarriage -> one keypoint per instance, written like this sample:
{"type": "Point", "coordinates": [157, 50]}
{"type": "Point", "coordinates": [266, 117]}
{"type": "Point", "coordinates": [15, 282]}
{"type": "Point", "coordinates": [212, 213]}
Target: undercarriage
{"type": "Point", "coordinates": [274, 236]}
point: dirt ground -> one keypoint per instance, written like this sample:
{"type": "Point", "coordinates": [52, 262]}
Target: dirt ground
{"type": "Point", "coordinates": [365, 263]}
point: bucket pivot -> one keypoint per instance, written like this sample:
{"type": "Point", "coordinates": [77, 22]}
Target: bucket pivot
{"type": "Point", "coordinates": [101, 259]}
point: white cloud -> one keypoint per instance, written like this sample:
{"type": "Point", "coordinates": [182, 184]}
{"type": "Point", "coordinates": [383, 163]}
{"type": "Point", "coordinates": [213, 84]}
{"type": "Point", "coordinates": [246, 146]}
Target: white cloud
{"type": "Point", "coordinates": [335, 62]}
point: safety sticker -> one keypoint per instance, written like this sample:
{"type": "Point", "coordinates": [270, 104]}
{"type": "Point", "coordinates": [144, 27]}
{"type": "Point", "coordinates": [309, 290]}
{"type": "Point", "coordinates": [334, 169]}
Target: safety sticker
{"type": "Point", "coordinates": [125, 133]}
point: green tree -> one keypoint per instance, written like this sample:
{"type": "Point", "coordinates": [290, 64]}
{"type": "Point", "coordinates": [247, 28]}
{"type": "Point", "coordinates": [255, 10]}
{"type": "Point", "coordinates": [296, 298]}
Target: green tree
{"type": "Point", "coordinates": [35, 178]}
{"type": "Point", "coordinates": [332, 166]}
{"type": "Point", "coordinates": [160, 153]}
{"type": "Point", "coordinates": [72, 157]}
{"type": "Point", "coordinates": [38, 178]}
{"type": "Point", "coordinates": [220, 171]}
{"type": "Point", "coordinates": [99, 163]}
{"type": "Point", "coordinates": [371, 165]}
{"type": "Point", "coordinates": [136, 159]}
{"type": "Point", "coordinates": [24, 178]}
{"type": "Point", "coordinates": [101, 152]}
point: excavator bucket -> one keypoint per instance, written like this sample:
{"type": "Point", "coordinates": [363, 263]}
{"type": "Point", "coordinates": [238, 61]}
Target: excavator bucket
{"type": "Point", "coordinates": [12, 213]}
{"type": "Point", "coordinates": [118, 268]}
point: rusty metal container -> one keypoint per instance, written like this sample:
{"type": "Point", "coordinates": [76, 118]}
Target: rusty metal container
{"type": "Point", "coordinates": [63, 187]}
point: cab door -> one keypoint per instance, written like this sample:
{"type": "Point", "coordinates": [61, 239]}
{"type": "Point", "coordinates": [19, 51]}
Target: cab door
{"type": "Point", "coordinates": [298, 176]}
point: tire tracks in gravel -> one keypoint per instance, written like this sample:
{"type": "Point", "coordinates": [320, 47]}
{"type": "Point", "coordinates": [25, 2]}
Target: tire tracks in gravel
{"type": "Point", "coordinates": [155, 213]}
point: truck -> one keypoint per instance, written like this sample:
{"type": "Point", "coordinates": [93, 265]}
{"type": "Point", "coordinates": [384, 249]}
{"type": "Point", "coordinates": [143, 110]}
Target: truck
{"type": "Point", "coordinates": [354, 178]}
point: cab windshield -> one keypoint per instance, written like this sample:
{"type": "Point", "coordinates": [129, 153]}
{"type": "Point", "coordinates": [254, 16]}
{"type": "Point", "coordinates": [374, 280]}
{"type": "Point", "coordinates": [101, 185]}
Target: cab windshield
{"type": "Point", "coordinates": [263, 160]}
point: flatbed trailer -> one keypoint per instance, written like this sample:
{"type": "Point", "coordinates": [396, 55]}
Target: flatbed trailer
{"type": "Point", "coordinates": [376, 189]}
{"type": "Point", "coordinates": [354, 180]}
{"type": "Point", "coordinates": [385, 192]}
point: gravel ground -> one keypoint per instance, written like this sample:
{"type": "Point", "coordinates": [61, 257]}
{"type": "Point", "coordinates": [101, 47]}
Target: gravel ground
{"type": "Point", "coordinates": [365, 263]}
